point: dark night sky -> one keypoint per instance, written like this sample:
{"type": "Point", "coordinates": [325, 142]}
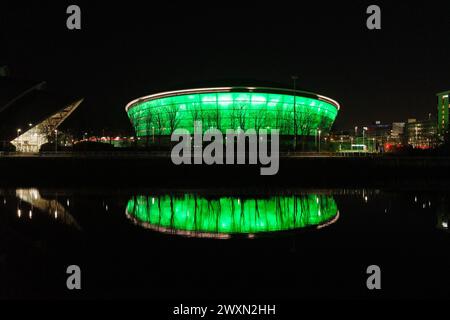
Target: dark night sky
{"type": "Point", "coordinates": [126, 50]}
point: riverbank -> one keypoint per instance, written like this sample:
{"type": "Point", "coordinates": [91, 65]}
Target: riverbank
{"type": "Point", "coordinates": [156, 170]}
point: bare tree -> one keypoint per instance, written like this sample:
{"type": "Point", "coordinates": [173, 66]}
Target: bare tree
{"type": "Point", "coordinates": [209, 118]}
{"type": "Point", "coordinates": [260, 118]}
{"type": "Point", "coordinates": [159, 121]}
{"type": "Point", "coordinates": [305, 122]}
{"type": "Point", "coordinates": [242, 115]}
{"type": "Point", "coordinates": [173, 116]}
{"type": "Point", "coordinates": [149, 127]}
{"type": "Point", "coordinates": [280, 122]}
{"type": "Point", "coordinates": [196, 113]}
{"type": "Point", "coordinates": [233, 118]}
{"type": "Point", "coordinates": [217, 116]}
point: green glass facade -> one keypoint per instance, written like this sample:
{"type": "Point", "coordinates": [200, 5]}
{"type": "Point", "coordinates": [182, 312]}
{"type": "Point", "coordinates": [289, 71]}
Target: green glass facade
{"type": "Point", "coordinates": [231, 215]}
{"type": "Point", "coordinates": [232, 110]}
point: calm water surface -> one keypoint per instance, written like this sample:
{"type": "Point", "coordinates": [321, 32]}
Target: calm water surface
{"type": "Point", "coordinates": [165, 244]}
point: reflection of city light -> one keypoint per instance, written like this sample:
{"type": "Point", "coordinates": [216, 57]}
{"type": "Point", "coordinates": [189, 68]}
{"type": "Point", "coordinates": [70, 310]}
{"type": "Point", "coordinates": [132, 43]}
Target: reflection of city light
{"type": "Point", "coordinates": [31, 214]}
{"type": "Point", "coordinates": [366, 198]}
{"type": "Point", "coordinates": [415, 199]}
{"type": "Point", "coordinates": [445, 224]}
{"type": "Point", "coordinates": [4, 201]}
{"type": "Point", "coordinates": [19, 213]}
{"type": "Point", "coordinates": [33, 193]}
{"type": "Point", "coordinates": [68, 202]}
{"type": "Point", "coordinates": [106, 207]}
{"type": "Point", "coordinates": [53, 208]}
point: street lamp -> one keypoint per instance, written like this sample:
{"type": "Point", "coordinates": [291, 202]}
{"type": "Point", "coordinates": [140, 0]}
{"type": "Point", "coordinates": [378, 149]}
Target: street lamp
{"type": "Point", "coordinates": [18, 134]}
{"type": "Point", "coordinates": [364, 130]}
{"type": "Point", "coordinates": [315, 138]}
{"type": "Point", "coordinates": [56, 140]}
{"type": "Point", "coordinates": [320, 131]}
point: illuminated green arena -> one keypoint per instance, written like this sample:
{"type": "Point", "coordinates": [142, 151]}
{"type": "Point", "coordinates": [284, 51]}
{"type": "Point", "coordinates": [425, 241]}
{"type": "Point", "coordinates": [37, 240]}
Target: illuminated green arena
{"type": "Point", "coordinates": [194, 215]}
{"type": "Point", "coordinates": [293, 112]}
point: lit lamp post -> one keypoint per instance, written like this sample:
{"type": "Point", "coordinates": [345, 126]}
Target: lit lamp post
{"type": "Point", "coordinates": [315, 138]}
{"type": "Point", "coordinates": [56, 140]}
{"type": "Point", "coordinates": [153, 134]}
{"type": "Point", "coordinates": [31, 140]}
{"type": "Point", "coordinates": [364, 130]}
{"type": "Point", "coordinates": [320, 131]}
{"type": "Point", "coordinates": [18, 134]}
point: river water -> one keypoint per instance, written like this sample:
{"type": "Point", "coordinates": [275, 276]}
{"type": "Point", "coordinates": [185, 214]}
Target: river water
{"type": "Point", "coordinates": [223, 244]}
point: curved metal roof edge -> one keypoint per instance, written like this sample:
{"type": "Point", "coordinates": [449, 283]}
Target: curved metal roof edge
{"type": "Point", "coordinates": [159, 95]}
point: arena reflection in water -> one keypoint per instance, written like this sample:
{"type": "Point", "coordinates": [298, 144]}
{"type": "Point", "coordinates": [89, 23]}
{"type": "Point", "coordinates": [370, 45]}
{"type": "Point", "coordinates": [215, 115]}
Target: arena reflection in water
{"type": "Point", "coordinates": [221, 217]}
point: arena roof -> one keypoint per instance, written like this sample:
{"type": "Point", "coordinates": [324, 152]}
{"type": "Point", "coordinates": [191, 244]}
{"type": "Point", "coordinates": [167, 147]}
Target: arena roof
{"type": "Point", "coordinates": [232, 89]}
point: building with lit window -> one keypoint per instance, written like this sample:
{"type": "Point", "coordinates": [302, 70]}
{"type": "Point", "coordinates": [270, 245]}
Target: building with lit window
{"type": "Point", "coordinates": [293, 112]}
{"type": "Point", "coordinates": [30, 115]}
{"type": "Point", "coordinates": [443, 106]}
{"type": "Point", "coordinates": [421, 134]}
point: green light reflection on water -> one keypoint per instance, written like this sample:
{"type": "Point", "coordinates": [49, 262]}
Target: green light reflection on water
{"type": "Point", "coordinates": [231, 215]}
